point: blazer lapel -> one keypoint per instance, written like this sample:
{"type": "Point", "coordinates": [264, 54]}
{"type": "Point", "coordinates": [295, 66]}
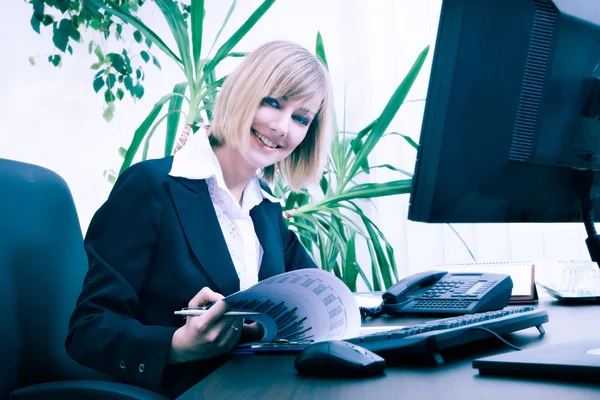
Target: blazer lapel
{"type": "Point", "coordinates": [265, 219]}
{"type": "Point", "coordinates": [203, 232]}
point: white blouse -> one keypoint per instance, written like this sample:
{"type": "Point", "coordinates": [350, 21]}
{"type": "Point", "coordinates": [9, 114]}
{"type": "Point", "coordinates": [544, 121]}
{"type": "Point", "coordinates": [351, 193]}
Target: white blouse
{"type": "Point", "coordinates": [196, 160]}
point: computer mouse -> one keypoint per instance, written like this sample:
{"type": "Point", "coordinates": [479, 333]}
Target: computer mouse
{"type": "Point", "coordinates": [338, 358]}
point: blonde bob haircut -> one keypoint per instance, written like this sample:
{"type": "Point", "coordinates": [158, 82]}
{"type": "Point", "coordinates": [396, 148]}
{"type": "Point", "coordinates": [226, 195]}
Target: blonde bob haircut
{"type": "Point", "coordinates": [276, 69]}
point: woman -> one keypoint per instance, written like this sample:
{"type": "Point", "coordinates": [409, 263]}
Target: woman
{"type": "Point", "coordinates": [191, 228]}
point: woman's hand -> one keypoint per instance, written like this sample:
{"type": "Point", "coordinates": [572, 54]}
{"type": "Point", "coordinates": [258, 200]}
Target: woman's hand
{"type": "Point", "coordinates": [252, 332]}
{"type": "Point", "coordinates": [207, 335]}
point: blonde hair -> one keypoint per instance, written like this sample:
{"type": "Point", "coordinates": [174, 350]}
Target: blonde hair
{"type": "Point", "coordinates": [277, 69]}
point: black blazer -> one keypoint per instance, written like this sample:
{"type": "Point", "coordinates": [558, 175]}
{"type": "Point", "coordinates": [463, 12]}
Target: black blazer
{"type": "Point", "coordinates": [151, 247]}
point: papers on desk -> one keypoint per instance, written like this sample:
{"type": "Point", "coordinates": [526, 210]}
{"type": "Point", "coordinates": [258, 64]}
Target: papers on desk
{"type": "Point", "coordinates": [521, 273]}
{"type": "Point", "coordinates": [301, 305]}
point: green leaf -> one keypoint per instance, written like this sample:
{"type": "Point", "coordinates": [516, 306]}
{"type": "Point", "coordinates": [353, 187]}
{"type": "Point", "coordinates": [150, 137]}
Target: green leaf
{"type": "Point", "coordinates": [357, 145]}
{"type": "Point", "coordinates": [98, 84]}
{"type": "Point", "coordinates": [109, 113]}
{"type": "Point", "coordinates": [377, 284]}
{"type": "Point", "coordinates": [138, 90]}
{"type": "Point", "coordinates": [99, 53]}
{"type": "Point", "coordinates": [179, 30]}
{"type": "Point", "coordinates": [32, 61]}
{"type": "Point", "coordinates": [392, 168]}
{"type": "Point", "coordinates": [96, 24]}
{"type": "Point", "coordinates": [75, 35]}
{"type": "Point", "coordinates": [237, 54]}
{"type": "Point", "coordinates": [173, 118]}
{"type": "Point", "coordinates": [133, 5]}
{"type": "Point", "coordinates": [141, 131]}
{"type": "Point", "coordinates": [95, 66]}
{"type": "Point", "coordinates": [366, 191]}
{"type": "Point", "coordinates": [117, 61]}
{"type": "Point", "coordinates": [155, 62]}
{"type": "Point", "coordinates": [382, 262]}
{"type": "Point", "coordinates": [38, 14]}
{"type": "Point", "coordinates": [145, 56]}
{"type": "Point", "coordinates": [119, 29]}
{"type": "Point", "coordinates": [386, 116]}
{"type": "Point", "coordinates": [320, 51]}
{"type": "Point", "coordinates": [110, 81]}
{"type": "Point", "coordinates": [61, 33]}
{"type": "Point", "coordinates": [35, 24]}
{"type": "Point", "coordinates": [391, 257]}
{"type": "Point", "coordinates": [137, 35]}
{"type": "Point", "coordinates": [38, 8]}
{"type": "Point", "coordinates": [197, 21]}
{"type": "Point", "coordinates": [407, 138]}
{"type": "Point", "coordinates": [148, 42]}
{"type": "Point", "coordinates": [350, 266]}
{"type": "Point", "coordinates": [128, 83]}
{"type": "Point", "coordinates": [120, 94]}
{"type": "Point", "coordinates": [56, 59]}
{"type": "Point", "coordinates": [63, 6]}
{"type": "Point", "coordinates": [239, 34]}
{"type": "Point", "coordinates": [48, 19]}
{"type": "Point", "coordinates": [109, 97]}
{"type": "Point", "coordinates": [218, 35]}
{"type": "Point", "coordinates": [324, 184]}
{"type": "Point", "coordinates": [112, 8]}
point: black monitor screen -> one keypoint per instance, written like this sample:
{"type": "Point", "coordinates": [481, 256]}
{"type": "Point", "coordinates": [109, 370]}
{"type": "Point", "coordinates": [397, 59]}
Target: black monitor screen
{"type": "Point", "coordinates": [511, 130]}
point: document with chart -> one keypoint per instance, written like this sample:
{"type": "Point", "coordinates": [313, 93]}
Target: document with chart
{"type": "Point", "coordinates": [306, 304]}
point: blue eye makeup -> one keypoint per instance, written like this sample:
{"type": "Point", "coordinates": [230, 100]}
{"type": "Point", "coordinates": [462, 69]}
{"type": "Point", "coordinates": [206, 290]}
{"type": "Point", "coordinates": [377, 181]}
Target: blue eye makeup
{"type": "Point", "coordinates": [300, 119]}
{"type": "Point", "coordinates": [271, 101]}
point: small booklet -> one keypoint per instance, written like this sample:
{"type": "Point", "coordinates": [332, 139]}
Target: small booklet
{"type": "Point", "coordinates": [303, 305]}
{"type": "Point", "coordinates": [521, 273]}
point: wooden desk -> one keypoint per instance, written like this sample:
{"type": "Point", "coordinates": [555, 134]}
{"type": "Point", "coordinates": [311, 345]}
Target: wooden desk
{"type": "Point", "coordinates": [274, 376]}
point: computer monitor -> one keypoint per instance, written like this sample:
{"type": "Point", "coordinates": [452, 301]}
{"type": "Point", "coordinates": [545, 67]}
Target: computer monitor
{"type": "Point", "coordinates": [511, 130]}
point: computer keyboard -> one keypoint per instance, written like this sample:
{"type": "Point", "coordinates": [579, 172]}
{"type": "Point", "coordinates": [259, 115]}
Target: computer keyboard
{"type": "Point", "coordinates": [430, 338]}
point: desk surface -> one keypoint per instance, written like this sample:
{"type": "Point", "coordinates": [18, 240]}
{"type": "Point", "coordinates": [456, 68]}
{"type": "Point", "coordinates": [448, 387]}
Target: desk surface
{"type": "Point", "coordinates": [274, 376]}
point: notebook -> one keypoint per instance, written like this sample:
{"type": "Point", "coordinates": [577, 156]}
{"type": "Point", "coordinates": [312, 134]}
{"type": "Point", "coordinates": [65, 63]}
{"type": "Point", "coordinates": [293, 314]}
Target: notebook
{"type": "Point", "coordinates": [574, 361]}
{"type": "Point", "coordinates": [521, 273]}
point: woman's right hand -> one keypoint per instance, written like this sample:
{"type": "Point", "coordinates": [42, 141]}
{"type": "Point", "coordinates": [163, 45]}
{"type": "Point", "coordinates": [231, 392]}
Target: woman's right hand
{"type": "Point", "coordinates": [207, 335]}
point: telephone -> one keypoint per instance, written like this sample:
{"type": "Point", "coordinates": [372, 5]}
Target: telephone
{"type": "Point", "coordinates": [440, 292]}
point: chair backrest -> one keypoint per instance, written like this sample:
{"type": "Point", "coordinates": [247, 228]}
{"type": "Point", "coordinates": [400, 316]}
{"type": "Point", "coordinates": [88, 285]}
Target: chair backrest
{"type": "Point", "coordinates": [42, 267]}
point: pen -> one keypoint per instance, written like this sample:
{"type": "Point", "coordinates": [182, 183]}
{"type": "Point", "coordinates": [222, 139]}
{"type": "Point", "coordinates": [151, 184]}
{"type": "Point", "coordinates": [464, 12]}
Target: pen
{"type": "Point", "coordinates": [195, 312]}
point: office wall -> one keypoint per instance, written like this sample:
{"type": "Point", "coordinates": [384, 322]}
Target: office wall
{"type": "Point", "coordinates": [52, 117]}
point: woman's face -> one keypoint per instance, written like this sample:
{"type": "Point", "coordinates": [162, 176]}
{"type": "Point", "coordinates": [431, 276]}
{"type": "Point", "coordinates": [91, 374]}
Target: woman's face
{"type": "Point", "coordinates": [278, 127]}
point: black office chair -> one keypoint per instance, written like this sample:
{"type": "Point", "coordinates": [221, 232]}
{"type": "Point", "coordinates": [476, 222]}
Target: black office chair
{"type": "Point", "coordinates": [42, 266]}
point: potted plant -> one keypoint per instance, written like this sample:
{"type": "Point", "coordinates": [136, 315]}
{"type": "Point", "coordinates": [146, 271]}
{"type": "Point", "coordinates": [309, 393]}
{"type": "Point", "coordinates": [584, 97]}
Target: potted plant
{"type": "Point", "coordinates": [330, 228]}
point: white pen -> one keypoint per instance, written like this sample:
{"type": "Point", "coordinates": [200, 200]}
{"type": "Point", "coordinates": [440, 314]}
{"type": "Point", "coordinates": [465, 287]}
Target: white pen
{"type": "Point", "coordinates": [200, 311]}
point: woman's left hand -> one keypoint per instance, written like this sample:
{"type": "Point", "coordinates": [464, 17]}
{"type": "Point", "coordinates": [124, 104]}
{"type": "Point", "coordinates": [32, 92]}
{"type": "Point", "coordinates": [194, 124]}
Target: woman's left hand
{"type": "Point", "coordinates": [252, 332]}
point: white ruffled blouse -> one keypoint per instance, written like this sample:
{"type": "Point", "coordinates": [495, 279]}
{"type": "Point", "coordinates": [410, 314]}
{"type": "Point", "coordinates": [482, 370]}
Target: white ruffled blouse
{"type": "Point", "coordinates": [196, 160]}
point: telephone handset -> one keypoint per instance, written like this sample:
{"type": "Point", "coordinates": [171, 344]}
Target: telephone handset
{"type": "Point", "coordinates": [440, 292]}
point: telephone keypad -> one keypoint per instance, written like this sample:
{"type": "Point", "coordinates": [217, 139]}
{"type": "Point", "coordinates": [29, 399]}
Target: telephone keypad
{"type": "Point", "coordinates": [455, 288]}
{"type": "Point", "coordinates": [452, 304]}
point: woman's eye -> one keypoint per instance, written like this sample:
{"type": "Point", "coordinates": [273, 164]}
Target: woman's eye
{"type": "Point", "coordinates": [271, 101]}
{"type": "Point", "coordinates": [301, 119]}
